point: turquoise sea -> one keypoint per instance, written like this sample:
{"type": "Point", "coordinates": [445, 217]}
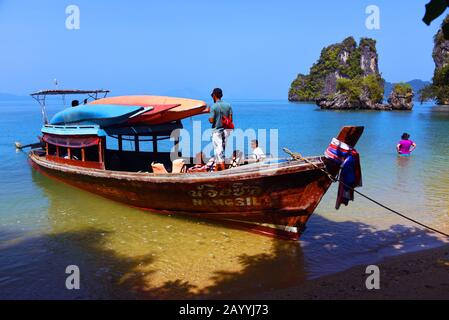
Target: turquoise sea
{"type": "Point", "coordinates": [123, 252]}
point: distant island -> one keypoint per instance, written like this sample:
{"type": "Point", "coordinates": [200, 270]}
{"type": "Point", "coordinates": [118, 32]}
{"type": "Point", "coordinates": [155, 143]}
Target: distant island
{"type": "Point", "coordinates": [346, 76]}
{"type": "Point", "coordinates": [10, 97]}
{"type": "Point", "coordinates": [416, 85]}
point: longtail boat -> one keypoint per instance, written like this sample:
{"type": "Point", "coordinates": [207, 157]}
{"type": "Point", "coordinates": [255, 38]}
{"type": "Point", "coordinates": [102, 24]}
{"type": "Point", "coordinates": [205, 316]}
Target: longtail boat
{"type": "Point", "coordinates": [274, 197]}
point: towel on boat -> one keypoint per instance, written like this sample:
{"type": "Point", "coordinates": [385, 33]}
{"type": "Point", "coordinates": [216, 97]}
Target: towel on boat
{"type": "Point", "coordinates": [350, 170]}
{"type": "Point", "coordinates": [208, 167]}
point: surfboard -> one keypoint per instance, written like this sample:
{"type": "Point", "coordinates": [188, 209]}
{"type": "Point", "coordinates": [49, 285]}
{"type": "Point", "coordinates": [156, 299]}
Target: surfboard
{"type": "Point", "coordinates": [186, 107]}
{"type": "Point", "coordinates": [151, 117]}
{"type": "Point", "coordinates": [102, 115]}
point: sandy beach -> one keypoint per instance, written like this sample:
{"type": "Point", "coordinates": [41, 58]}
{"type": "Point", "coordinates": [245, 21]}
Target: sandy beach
{"type": "Point", "coordinates": [419, 275]}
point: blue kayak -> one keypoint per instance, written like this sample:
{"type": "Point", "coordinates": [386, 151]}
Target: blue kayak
{"type": "Point", "coordinates": [102, 115]}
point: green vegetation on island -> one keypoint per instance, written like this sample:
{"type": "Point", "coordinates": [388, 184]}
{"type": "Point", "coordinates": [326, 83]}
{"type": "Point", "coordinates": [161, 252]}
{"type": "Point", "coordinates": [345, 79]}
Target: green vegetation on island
{"type": "Point", "coordinates": [403, 88]}
{"type": "Point", "coordinates": [346, 76]}
{"type": "Point", "coordinates": [354, 88]}
{"type": "Point", "coordinates": [343, 66]}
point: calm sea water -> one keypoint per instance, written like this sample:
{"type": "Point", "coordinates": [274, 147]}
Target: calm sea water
{"type": "Point", "coordinates": [124, 252]}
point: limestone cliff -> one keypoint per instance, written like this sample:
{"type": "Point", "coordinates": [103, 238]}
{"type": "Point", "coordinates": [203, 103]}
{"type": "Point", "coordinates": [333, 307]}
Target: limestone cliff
{"type": "Point", "coordinates": [441, 49]}
{"type": "Point", "coordinates": [346, 76]}
{"type": "Point", "coordinates": [439, 89]}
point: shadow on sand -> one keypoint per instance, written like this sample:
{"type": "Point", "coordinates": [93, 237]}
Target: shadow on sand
{"type": "Point", "coordinates": [34, 267]}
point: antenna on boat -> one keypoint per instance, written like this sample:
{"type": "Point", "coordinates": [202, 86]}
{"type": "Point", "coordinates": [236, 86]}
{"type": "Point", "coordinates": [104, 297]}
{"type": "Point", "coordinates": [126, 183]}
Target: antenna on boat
{"type": "Point", "coordinates": [56, 82]}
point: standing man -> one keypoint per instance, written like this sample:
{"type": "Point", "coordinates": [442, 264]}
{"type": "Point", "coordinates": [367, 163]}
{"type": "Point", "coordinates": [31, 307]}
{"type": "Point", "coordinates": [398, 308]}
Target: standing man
{"type": "Point", "coordinates": [220, 112]}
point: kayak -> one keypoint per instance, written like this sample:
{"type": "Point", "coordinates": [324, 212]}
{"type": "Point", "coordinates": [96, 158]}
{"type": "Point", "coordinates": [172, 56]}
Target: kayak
{"type": "Point", "coordinates": [151, 117]}
{"type": "Point", "coordinates": [102, 115]}
{"type": "Point", "coordinates": [186, 107]}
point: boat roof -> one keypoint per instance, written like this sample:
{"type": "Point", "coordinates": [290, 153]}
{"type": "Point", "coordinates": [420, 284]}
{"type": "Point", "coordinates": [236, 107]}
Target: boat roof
{"type": "Point", "coordinates": [73, 130]}
{"type": "Point", "coordinates": [94, 129]}
{"type": "Point", "coordinates": [153, 130]}
{"type": "Point", "coordinates": [68, 91]}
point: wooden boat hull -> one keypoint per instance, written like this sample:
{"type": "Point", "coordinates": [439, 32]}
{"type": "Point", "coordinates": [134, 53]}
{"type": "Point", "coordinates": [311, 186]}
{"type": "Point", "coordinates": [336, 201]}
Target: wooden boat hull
{"type": "Point", "coordinates": [282, 197]}
{"type": "Point", "coordinates": [271, 199]}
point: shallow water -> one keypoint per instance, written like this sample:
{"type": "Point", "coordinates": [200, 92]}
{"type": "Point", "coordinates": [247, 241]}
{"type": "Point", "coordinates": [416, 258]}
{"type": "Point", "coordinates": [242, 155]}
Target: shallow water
{"type": "Point", "coordinates": [123, 252]}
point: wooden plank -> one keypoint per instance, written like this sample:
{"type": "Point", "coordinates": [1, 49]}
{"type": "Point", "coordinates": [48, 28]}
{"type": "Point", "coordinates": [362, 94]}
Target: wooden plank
{"type": "Point", "coordinates": [78, 163]}
{"type": "Point", "coordinates": [100, 151]}
{"type": "Point", "coordinates": [350, 135]}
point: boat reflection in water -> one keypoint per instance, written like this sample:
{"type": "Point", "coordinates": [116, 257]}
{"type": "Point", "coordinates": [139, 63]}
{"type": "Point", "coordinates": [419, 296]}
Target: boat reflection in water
{"type": "Point", "coordinates": [123, 252]}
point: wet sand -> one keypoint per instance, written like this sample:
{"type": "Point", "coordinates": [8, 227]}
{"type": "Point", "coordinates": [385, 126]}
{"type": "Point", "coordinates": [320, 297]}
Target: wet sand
{"type": "Point", "coordinates": [418, 275]}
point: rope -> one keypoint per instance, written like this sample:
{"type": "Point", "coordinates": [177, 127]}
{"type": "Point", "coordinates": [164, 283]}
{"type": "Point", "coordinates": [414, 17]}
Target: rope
{"type": "Point", "coordinates": [298, 156]}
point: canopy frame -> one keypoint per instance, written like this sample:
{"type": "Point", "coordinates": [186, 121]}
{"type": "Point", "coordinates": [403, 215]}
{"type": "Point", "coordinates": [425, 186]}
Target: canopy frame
{"type": "Point", "coordinates": [41, 96]}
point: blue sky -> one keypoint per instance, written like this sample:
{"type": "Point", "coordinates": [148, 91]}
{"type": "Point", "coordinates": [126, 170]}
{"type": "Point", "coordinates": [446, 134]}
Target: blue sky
{"type": "Point", "coordinates": [252, 49]}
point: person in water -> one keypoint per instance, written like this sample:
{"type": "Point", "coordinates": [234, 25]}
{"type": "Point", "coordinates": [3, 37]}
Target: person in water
{"type": "Point", "coordinates": [220, 134]}
{"type": "Point", "coordinates": [406, 146]}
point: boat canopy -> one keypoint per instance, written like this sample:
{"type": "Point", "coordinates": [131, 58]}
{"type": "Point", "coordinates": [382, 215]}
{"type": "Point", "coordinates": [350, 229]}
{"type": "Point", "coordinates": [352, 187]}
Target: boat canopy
{"type": "Point", "coordinates": [73, 130]}
{"type": "Point", "coordinates": [68, 91]}
{"type": "Point", "coordinates": [156, 130]}
{"type": "Point", "coordinates": [40, 97]}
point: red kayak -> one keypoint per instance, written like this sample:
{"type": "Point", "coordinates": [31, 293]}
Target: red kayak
{"type": "Point", "coordinates": [185, 108]}
{"type": "Point", "coordinates": [152, 116]}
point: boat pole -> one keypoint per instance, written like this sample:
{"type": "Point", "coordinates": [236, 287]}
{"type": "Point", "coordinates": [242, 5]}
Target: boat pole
{"type": "Point", "coordinates": [19, 146]}
{"type": "Point", "coordinates": [136, 143]}
{"type": "Point", "coordinates": [120, 143]}
{"type": "Point", "coordinates": [154, 144]}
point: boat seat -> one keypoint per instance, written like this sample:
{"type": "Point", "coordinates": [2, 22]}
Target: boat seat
{"type": "Point", "coordinates": [158, 168]}
{"type": "Point", "coordinates": [179, 166]}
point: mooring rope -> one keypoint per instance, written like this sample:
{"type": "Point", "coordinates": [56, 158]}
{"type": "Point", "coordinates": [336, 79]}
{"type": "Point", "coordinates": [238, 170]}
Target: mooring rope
{"type": "Point", "coordinates": [298, 156]}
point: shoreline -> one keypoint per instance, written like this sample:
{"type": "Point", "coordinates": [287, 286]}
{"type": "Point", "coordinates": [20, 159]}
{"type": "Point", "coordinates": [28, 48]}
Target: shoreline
{"type": "Point", "coordinates": [416, 275]}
